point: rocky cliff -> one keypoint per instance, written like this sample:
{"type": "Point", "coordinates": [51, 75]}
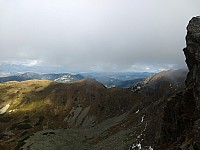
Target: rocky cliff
{"type": "Point", "coordinates": [181, 120]}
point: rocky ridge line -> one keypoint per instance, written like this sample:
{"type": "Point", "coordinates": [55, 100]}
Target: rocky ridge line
{"type": "Point", "coordinates": [181, 121]}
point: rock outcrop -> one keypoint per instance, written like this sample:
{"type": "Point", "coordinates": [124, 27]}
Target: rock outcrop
{"type": "Point", "coordinates": [181, 119]}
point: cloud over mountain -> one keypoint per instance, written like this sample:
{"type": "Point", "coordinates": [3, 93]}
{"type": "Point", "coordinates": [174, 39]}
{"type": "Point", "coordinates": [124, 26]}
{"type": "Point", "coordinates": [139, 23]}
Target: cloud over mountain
{"type": "Point", "coordinates": [106, 34]}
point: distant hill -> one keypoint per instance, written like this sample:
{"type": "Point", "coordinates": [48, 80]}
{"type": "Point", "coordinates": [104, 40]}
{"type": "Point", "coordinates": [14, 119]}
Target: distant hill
{"type": "Point", "coordinates": [63, 78]}
{"type": "Point", "coordinates": [128, 83]}
{"type": "Point", "coordinates": [167, 82]}
{"type": "Point", "coordinates": [118, 79]}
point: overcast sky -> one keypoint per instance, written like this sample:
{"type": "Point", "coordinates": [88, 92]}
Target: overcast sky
{"type": "Point", "coordinates": [96, 34]}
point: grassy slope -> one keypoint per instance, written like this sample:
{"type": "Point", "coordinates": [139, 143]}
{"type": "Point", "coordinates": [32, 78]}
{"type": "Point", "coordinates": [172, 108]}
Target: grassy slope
{"type": "Point", "coordinates": [85, 111]}
{"type": "Point", "coordinates": [36, 105]}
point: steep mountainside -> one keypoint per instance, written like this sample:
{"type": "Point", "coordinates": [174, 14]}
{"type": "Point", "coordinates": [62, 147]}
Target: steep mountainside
{"type": "Point", "coordinates": [105, 118]}
{"type": "Point", "coordinates": [83, 107]}
{"type": "Point", "coordinates": [181, 121]}
{"type": "Point", "coordinates": [162, 85]}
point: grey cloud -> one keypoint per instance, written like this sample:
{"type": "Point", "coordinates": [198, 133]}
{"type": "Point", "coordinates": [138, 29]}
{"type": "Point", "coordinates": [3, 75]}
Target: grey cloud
{"type": "Point", "coordinates": [92, 34]}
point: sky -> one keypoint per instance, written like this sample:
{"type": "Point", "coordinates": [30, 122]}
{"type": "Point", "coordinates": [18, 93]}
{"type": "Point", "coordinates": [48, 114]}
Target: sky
{"type": "Point", "coordinates": [96, 35]}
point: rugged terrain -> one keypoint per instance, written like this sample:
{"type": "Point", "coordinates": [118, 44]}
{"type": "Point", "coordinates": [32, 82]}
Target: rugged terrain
{"type": "Point", "coordinates": [160, 112]}
{"type": "Point", "coordinates": [181, 120]}
{"type": "Point", "coordinates": [80, 115]}
{"type": "Point", "coordinates": [85, 106]}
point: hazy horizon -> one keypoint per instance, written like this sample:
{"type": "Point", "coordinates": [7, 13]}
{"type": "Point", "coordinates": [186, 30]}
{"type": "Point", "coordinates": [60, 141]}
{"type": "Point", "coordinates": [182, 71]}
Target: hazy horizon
{"type": "Point", "coordinates": [86, 35]}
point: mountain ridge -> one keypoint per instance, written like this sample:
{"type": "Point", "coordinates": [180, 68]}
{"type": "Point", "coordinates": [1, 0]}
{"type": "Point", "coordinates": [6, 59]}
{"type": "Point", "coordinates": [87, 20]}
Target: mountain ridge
{"type": "Point", "coordinates": [84, 105]}
{"type": "Point", "coordinates": [63, 77]}
{"type": "Point", "coordinates": [181, 120]}
{"type": "Point", "coordinates": [84, 114]}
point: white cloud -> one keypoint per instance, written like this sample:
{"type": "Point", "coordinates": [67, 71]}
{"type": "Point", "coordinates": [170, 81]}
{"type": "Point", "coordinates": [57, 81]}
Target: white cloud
{"type": "Point", "coordinates": [31, 63]}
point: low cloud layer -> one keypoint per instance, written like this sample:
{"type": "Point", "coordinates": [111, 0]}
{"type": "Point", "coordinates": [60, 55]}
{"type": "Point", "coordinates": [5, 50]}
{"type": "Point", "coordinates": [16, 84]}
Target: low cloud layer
{"type": "Point", "coordinates": [95, 34]}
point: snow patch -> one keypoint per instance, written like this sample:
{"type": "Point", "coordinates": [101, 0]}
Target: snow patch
{"type": "Point", "coordinates": [137, 111]}
{"type": "Point", "coordinates": [10, 111]}
{"type": "Point", "coordinates": [142, 118]}
{"type": "Point", "coordinates": [4, 109]}
{"type": "Point", "coordinates": [65, 79]}
{"type": "Point", "coordinates": [139, 136]}
{"type": "Point", "coordinates": [145, 127]}
{"type": "Point", "coordinates": [139, 146]}
{"type": "Point", "coordinates": [150, 148]}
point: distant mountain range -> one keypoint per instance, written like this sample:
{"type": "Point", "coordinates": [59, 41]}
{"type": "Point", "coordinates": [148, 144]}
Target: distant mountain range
{"type": "Point", "coordinates": [63, 78]}
{"type": "Point", "coordinates": [15, 69]}
{"type": "Point", "coordinates": [118, 79]}
{"type": "Point", "coordinates": [122, 80]}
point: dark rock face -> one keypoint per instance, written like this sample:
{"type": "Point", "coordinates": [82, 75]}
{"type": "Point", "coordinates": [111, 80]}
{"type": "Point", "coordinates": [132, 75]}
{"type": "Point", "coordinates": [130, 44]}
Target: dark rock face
{"type": "Point", "coordinates": [192, 53]}
{"type": "Point", "coordinates": [181, 120]}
